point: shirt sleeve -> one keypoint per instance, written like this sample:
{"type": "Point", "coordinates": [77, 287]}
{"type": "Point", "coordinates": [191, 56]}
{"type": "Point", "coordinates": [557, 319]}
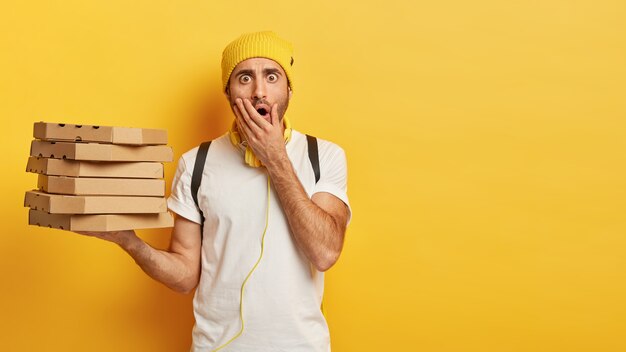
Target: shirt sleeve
{"type": "Point", "coordinates": [180, 200]}
{"type": "Point", "coordinates": [333, 173]}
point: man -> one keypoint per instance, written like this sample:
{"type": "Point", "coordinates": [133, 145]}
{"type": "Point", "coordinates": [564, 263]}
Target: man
{"type": "Point", "coordinates": [270, 229]}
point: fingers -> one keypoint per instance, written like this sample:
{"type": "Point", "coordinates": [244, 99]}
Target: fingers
{"type": "Point", "coordinates": [246, 125]}
{"type": "Point", "coordinates": [90, 233]}
{"type": "Point", "coordinates": [264, 137]}
{"type": "Point", "coordinates": [245, 129]}
{"type": "Point", "coordinates": [250, 115]}
{"type": "Point", "coordinates": [242, 111]}
{"type": "Point", "coordinates": [254, 115]}
{"type": "Point", "coordinates": [108, 236]}
{"type": "Point", "coordinates": [240, 122]}
{"type": "Point", "coordinates": [250, 121]}
{"type": "Point", "coordinates": [274, 115]}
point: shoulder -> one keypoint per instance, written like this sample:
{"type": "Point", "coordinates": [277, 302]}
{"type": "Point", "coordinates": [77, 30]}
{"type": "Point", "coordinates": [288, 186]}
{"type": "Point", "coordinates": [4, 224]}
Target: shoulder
{"type": "Point", "coordinates": [189, 157]}
{"type": "Point", "coordinates": [329, 154]}
{"type": "Point", "coordinates": [328, 146]}
{"type": "Point", "coordinates": [324, 146]}
{"type": "Point", "coordinates": [328, 150]}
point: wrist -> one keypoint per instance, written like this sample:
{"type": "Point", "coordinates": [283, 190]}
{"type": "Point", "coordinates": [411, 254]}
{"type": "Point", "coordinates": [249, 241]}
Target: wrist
{"type": "Point", "coordinates": [124, 239]}
{"type": "Point", "coordinates": [279, 163]}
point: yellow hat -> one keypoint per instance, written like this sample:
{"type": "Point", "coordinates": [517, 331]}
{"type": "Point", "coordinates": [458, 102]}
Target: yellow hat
{"type": "Point", "coordinates": [260, 44]}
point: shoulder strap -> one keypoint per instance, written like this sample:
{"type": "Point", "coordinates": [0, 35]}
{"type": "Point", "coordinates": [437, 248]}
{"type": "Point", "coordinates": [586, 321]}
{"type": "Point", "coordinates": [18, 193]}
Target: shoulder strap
{"type": "Point", "coordinates": [196, 176]}
{"type": "Point", "coordinates": [313, 156]}
{"type": "Point", "coordinates": [198, 167]}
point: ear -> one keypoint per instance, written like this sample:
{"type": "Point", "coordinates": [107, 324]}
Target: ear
{"type": "Point", "coordinates": [289, 88]}
{"type": "Point", "coordinates": [227, 93]}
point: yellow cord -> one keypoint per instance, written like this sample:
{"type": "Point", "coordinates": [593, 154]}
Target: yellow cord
{"type": "Point", "coordinates": [251, 160]}
{"type": "Point", "coordinates": [267, 217]}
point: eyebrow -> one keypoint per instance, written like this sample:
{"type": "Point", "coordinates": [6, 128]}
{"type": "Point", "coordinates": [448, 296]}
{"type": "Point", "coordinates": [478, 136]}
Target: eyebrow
{"type": "Point", "coordinates": [266, 71]}
{"type": "Point", "coordinates": [244, 72]}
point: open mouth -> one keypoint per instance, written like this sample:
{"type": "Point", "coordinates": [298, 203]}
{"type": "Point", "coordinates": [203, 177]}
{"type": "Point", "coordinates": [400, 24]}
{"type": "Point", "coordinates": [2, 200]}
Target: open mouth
{"type": "Point", "coordinates": [263, 109]}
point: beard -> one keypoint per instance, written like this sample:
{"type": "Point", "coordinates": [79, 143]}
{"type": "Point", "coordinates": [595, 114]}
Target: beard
{"type": "Point", "coordinates": [282, 102]}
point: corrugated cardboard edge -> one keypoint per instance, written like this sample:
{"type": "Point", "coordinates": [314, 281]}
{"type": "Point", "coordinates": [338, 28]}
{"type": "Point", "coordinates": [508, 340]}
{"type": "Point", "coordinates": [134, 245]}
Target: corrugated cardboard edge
{"type": "Point", "coordinates": [71, 132]}
{"type": "Point", "coordinates": [101, 186]}
{"type": "Point", "coordinates": [37, 165]}
{"type": "Point", "coordinates": [101, 152]}
{"type": "Point", "coordinates": [85, 168]}
{"type": "Point", "coordinates": [67, 204]}
{"type": "Point", "coordinates": [35, 200]}
{"type": "Point", "coordinates": [110, 222]}
{"type": "Point", "coordinates": [56, 150]}
{"type": "Point", "coordinates": [49, 131]}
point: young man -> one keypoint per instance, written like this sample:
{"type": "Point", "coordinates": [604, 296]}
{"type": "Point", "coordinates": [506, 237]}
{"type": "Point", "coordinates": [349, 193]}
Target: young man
{"type": "Point", "coordinates": [267, 225]}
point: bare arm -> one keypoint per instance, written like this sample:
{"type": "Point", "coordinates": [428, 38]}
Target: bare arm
{"type": "Point", "coordinates": [318, 224]}
{"type": "Point", "coordinates": [177, 268]}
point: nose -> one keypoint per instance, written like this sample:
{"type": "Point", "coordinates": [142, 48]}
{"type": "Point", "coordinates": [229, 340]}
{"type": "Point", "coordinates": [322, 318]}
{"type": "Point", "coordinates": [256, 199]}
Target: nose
{"type": "Point", "coordinates": [260, 89]}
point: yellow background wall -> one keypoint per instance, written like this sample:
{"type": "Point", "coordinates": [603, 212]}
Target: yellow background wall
{"type": "Point", "coordinates": [486, 148]}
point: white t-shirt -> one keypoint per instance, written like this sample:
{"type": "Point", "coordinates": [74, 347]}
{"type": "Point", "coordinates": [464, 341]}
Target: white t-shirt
{"type": "Point", "coordinates": [282, 298]}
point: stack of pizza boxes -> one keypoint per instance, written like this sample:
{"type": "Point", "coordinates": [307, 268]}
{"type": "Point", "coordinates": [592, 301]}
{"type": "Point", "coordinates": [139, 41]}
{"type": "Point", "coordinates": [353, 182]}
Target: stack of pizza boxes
{"type": "Point", "coordinates": [98, 178]}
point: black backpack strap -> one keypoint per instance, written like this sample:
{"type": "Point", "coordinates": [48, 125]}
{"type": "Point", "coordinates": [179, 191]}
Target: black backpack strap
{"type": "Point", "coordinates": [196, 176]}
{"type": "Point", "coordinates": [313, 156]}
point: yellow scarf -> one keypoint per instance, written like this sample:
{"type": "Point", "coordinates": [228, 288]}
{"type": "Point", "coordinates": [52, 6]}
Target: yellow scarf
{"type": "Point", "coordinates": [250, 158]}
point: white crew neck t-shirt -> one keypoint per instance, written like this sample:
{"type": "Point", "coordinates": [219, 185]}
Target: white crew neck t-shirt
{"type": "Point", "coordinates": [282, 298]}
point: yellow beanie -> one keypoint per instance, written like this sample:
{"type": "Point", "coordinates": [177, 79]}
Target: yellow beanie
{"type": "Point", "coordinates": [260, 44]}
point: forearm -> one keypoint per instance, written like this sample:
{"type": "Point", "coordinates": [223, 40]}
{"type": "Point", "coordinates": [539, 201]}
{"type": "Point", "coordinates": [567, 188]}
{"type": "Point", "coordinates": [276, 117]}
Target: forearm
{"type": "Point", "coordinates": [317, 231]}
{"type": "Point", "coordinates": [314, 230]}
{"type": "Point", "coordinates": [169, 268]}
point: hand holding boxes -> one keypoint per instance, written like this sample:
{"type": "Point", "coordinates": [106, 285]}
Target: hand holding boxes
{"type": "Point", "coordinates": [98, 178]}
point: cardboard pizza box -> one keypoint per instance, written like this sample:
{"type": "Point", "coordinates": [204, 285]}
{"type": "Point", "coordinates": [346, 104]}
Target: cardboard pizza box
{"type": "Point", "coordinates": [76, 168]}
{"type": "Point", "coordinates": [100, 152]}
{"type": "Point", "coordinates": [101, 134]}
{"type": "Point", "coordinates": [108, 222]}
{"type": "Point", "coordinates": [87, 186]}
{"type": "Point", "coordinates": [64, 204]}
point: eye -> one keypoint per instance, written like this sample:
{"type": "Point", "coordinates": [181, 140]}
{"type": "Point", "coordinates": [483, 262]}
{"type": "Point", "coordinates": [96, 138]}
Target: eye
{"type": "Point", "coordinates": [245, 79]}
{"type": "Point", "coordinates": [272, 77]}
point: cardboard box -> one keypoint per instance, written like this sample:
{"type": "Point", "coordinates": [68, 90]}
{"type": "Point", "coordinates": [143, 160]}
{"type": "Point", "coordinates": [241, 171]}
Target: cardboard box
{"type": "Point", "coordinates": [109, 222]}
{"type": "Point", "coordinates": [101, 186]}
{"type": "Point", "coordinates": [100, 134]}
{"type": "Point", "coordinates": [76, 168]}
{"type": "Point", "coordinates": [63, 204]}
{"type": "Point", "coordinates": [100, 152]}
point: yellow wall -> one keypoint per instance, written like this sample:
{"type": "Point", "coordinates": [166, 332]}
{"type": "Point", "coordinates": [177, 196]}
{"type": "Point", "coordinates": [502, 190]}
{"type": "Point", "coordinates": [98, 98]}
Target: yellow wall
{"type": "Point", "coordinates": [486, 147]}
